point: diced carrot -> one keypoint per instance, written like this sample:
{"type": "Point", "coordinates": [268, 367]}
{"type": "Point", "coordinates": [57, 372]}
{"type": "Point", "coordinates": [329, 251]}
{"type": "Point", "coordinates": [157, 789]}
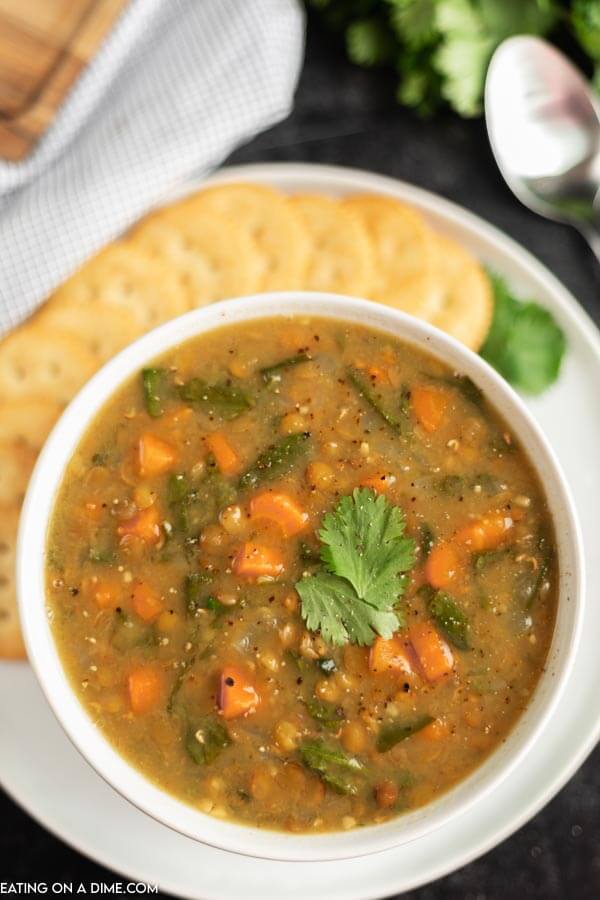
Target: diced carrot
{"type": "Point", "coordinates": [429, 406]}
{"type": "Point", "coordinates": [237, 694]}
{"type": "Point", "coordinates": [486, 533]}
{"type": "Point", "coordinates": [145, 524]}
{"type": "Point", "coordinates": [392, 655]}
{"type": "Point", "coordinates": [379, 483]}
{"type": "Point", "coordinates": [145, 685]}
{"type": "Point", "coordinates": [147, 603]}
{"type": "Point", "coordinates": [256, 560]}
{"type": "Point", "coordinates": [279, 508]}
{"type": "Point", "coordinates": [434, 654]}
{"type": "Point", "coordinates": [435, 731]}
{"type": "Point", "coordinates": [154, 455]}
{"type": "Point", "coordinates": [104, 591]}
{"type": "Point", "coordinates": [225, 456]}
{"type": "Point", "coordinates": [443, 565]}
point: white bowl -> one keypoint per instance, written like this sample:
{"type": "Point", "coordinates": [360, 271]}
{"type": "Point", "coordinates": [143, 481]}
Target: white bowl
{"type": "Point", "coordinates": [31, 561]}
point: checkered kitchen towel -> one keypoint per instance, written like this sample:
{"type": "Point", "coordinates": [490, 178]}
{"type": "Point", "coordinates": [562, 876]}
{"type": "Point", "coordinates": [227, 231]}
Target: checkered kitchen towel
{"type": "Point", "coordinates": [175, 87]}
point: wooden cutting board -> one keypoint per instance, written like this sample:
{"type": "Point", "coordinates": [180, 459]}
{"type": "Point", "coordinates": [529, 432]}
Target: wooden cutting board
{"type": "Point", "coordinates": [44, 46]}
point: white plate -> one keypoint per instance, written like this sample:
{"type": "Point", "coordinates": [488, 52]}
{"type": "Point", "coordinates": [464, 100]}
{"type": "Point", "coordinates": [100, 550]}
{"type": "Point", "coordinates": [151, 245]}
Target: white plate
{"type": "Point", "coordinates": [44, 773]}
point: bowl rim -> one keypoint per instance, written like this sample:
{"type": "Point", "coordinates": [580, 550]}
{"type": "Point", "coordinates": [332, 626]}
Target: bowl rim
{"type": "Point", "coordinates": [75, 720]}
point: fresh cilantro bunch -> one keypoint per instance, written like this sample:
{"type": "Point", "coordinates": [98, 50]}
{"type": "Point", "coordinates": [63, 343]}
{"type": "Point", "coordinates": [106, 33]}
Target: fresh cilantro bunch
{"type": "Point", "coordinates": [366, 555]}
{"type": "Point", "coordinates": [441, 48]}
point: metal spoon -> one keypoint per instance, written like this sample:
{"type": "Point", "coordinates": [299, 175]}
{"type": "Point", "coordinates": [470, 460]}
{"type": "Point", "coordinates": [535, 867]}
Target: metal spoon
{"type": "Point", "coordinates": [543, 122]}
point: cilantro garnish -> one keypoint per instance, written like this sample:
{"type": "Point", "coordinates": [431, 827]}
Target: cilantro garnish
{"type": "Point", "coordinates": [524, 342]}
{"type": "Point", "coordinates": [366, 555]}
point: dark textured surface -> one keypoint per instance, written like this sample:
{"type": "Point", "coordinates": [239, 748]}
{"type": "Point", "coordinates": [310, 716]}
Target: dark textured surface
{"type": "Point", "coordinates": [347, 117]}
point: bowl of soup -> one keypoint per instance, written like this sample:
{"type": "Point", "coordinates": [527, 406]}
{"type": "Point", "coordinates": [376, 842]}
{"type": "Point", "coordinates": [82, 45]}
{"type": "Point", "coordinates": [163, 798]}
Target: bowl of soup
{"type": "Point", "coordinates": [300, 576]}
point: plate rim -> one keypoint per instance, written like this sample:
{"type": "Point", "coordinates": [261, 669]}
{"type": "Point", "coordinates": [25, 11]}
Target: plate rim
{"type": "Point", "coordinates": [349, 178]}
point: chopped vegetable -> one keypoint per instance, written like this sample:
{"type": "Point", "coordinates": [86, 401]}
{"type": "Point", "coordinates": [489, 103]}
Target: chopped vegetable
{"type": "Point", "coordinates": [147, 602]}
{"type": "Point", "coordinates": [328, 715]}
{"type": "Point", "coordinates": [365, 391]}
{"type": "Point", "coordinates": [145, 685]}
{"type": "Point", "coordinates": [145, 525]}
{"type": "Point", "coordinates": [277, 460]}
{"type": "Point", "coordinates": [153, 383]}
{"type": "Point", "coordinates": [257, 561]}
{"type": "Point", "coordinates": [426, 540]}
{"type": "Point", "coordinates": [272, 374]}
{"type": "Point", "coordinates": [206, 740]}
{"type": "Point", "coordinates": [154, 456]}
{"type": "Point", "coordinates": [443, 565]}
{"type": "Point", "coordinates": [222, 400]}
{"type": "Point", "coordinates": [367, 554]}
{"type": "Point", "coordinates": [327, 666]}
{"type": "Point", "coordinates": [106, 592]}
{"type": "Point", "coordinates": [237, 693]}
{"type": "Point", "coordinates": [392, 655]}
{"type": "Point", "coordinates": [429, 406]}
{"type": "Point", "coordinates": [392, 734]}
{"type": "Point", "coordinates": [450, 620]}
{"type": "Point", "coordinates": [331, 764]}
{"type": "Point", "coordinates": [486, 533]}
{"type": "Point", "coordinates": [434, 654]}
{"type": "Point", "coordinates": [225, 456]}
{"type": "Point", "coordinates": [281, 509]}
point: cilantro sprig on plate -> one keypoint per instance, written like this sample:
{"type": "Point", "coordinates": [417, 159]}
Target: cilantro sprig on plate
{"type": "Point", "coordinates": [366, 556]}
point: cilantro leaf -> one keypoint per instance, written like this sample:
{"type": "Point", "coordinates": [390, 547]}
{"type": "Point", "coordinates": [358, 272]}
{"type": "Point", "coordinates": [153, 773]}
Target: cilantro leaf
{"type": "Point", "coordinates": [414, 21]}
{"type": "Point", "coordinates": [369, 42]}
{"type": "Point", "coordinates": [585, 17]}
{"type": "Point", "coordinates": [524, 343]}
{"type": "Point", "coordinates": [332, 606]}
{"type": "Point", "coordinates": [364, 542]}
{"type": "Point", "coordinates": [367, 555]}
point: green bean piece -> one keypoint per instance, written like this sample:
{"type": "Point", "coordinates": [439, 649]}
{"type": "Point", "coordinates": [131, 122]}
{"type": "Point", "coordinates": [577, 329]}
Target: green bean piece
{"type": "Point", "coordinates": [390, 735]}
{"type": "Point", "coordinates": [223, 400]}
{"type": "Point", "coordinates": [276, 460]}
{"type": "Point", "coordinates": [153, 382]}
{"type": "Point", "coordinates": [450, 620]}
{"type": "Point", "coordinates": [272, 374]}
{"type": "Point", "coordinates": [368, 395]}
{"type": "Point", "coordinates": [328, 715]}
{"type": "Point", "coordinates": [206, 740]}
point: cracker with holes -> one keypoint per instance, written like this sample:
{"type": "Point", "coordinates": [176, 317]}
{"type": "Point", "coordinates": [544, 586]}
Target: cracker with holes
{"type": "Point", "coordinates": [467, 301]}
{"type": "Point", "coordinates": [28, 420]}
{"type": "Point", "coordinates": [281, 242]}
{"type": "Point", "coordinates": [11, 642]}
{"type": "Point", "coordinates": [35, 359]}
{"type": "Point", "coordinates": [103, 339]}
{"type": "Point", "coordinates": [341, 255]}
{"type": "Point", "coordinates": [405, 252]}
{"type": "Point", "coordinates": [124, 277]}
{"type": "Point", "coordinates": [212, 256]}
{"type": "Point", "coordinates": [16, 464]}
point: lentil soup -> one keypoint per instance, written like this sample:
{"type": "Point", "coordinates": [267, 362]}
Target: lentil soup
{"type": "Point", "coordinates": [301, 575]}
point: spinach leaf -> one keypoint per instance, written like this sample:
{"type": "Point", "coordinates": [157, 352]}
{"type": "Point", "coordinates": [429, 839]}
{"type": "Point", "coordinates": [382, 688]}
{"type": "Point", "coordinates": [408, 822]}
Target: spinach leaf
{"type": "Point", "coordinates": [395, 732]}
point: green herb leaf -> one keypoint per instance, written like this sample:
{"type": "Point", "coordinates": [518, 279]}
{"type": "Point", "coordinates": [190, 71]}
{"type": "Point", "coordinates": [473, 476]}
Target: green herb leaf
{"type": "Point", "coordinates": [332, 606]}
{"type": "Point", "coordinates": [364, 542]}
{"type": "Point", "coordinates": [366, 392]}
{"type": "Point", "coordinates": [524, 342]}
{"type": "Point", "coordinates": [331, 764]}
{"type": "Point", "coordinates": [367, 555]}
{"type": "Point", "coordinates": [272, 374]}
{"type": "Point", "coordinates": [392, 734]}
{"type": "Point", "coordinates": [153, 384]}
{"type": "Point", "coordinates": [206, 740]}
